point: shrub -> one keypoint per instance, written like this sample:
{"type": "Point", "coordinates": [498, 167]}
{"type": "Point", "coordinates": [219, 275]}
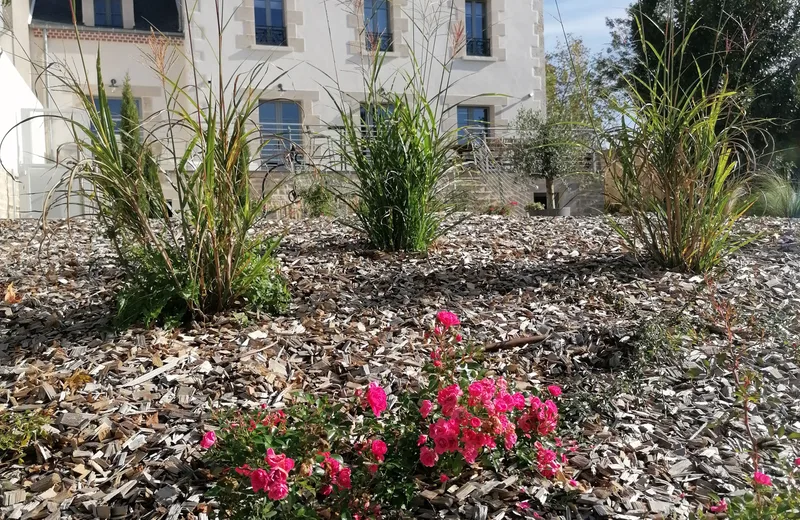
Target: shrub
{"type": "Point", "coordinates": [207, 259]}
{"type": "Point", "coordinates": [318, 201]}
{"type": "Point", "coordinates": [18, 430]}
{"type": "Point", "coordinates": [498, 208]}
{"type": "Point", "coordinates": [776, 196]}
{"type": "Point", "coordinates": [401, 158]}
{"type": "Point", "coordinates": [676, 153]}
{"type": "Point", "coordinates": [323, 459]}
{"type": "Point", "coordinates": [534, 206]}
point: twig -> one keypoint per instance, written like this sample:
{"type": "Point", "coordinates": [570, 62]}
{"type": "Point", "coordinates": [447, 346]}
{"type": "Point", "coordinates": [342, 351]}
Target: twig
{"type": "Point", "coordinates": [516, 342]}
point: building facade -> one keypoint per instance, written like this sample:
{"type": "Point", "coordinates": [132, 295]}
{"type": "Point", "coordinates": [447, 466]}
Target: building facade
{"type": "Point", "coordinates": [494, 50]}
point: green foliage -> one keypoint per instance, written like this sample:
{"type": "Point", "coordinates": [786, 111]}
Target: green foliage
{"type": "Point", "coordinates": [575, 93]}
{"type": "Point", "coordinates": [18, 430]}
{"type": "Point", "coordinates": [747, 44]}
{"type": "Point", "coordinates": [137, 159]}
{"type": "Point", "coordinates": [401, 159]}
{"type": "Point", "coordinates": [318, 201]}
{"type": "Point", "coordinates": [675, 154]}
{"type": "Point", "coordinates": [781, 504]}
{"type": "Point", "coordinates": [534, 206]}
{"type": "Point", "coordinates": [208, 259]}
{"type": "Point", "coordinates": [545, 148]}
{"type": "Point", "coordinates": [776, 196]}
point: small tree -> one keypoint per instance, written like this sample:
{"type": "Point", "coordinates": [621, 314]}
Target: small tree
{"type": "Point", "coordinates": [544, 148]}
{"type": "Point", "coordinates": [137, 159]}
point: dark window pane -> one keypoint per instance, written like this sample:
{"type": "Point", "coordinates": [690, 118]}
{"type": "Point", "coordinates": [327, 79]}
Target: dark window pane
{"type": "Point", "coordinates": [116, 13]}
{"type": "Point", "coordinates": [276, 13]}
{"type": "Point", "coordinates": [261, 12]}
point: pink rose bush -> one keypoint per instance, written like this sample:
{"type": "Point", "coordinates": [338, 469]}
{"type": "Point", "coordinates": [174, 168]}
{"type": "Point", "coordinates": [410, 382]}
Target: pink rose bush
{"type": "Point", "coordinates": [324, 459]}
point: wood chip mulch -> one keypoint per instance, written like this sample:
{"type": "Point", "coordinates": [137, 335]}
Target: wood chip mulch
{"type": "Point", "coordinates": [656, 416]}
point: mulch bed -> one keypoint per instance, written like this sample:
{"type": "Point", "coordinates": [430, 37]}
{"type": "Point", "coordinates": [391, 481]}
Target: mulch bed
{"type": "Point", "coordinates": [659, 429]}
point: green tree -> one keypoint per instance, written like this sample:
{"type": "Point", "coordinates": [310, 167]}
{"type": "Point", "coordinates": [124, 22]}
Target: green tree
{"type": "Point", "coordinates": [575, 92]}
{"type": "Point", "coordinates": [137, 159]}
{"type": "Point", "coordinates": [552, 147]}
{"type": "Point", "coordinates": [545, 147]}
{"type": "Point", "coordinates": [754, 44]}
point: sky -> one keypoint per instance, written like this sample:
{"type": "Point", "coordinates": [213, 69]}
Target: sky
{"type": "Point", "coordinates": [582, 18]}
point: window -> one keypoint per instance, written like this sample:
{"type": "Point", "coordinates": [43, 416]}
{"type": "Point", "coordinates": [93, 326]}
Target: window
{"type": "Point", "coordinates": [473, 122]}
{"type": "Point", "coordinates": [477, 33]}
{"type": "Point", "coordinates": [115, 105]}
{"type": "Point", "coordinates": [370, 114]}
{"type": "Point", "coordinates": [281, 129]}
{"type": "Point", "coordinates": [270, 26]}
{"type": "Point", "coordinates": [377, 24]}
{"type": "Point", "coordinates": [108, 13]}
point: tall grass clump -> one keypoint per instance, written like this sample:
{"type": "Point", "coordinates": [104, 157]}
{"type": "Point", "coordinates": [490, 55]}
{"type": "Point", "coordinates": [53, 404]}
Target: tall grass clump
{"type": "Point", "coordinates": [776, 196]}
{"type": "Point", "coordinates": [399, 155]}
{"type": "Point", "coordinates": [208, 257]}
{"type": "Point", "coordinates": [679, 158]}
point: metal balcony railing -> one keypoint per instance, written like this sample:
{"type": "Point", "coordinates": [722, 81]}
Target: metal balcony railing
{"type": "Point", "coordinates": [271, 35]}
{"type": "Point", "coordinates": [383, 41]}
{"type": "Point", "coordinates": [479, 47]}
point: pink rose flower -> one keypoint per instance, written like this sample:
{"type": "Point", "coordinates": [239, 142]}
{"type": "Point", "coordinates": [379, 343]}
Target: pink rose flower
{"type": "Point", "coordinates": [278, 491]}
{"type": "Point", "coordinates": [447, 319]}
{"type": "Point", "coordinates": [372, 468]}
{"type": "Point", "coordinates": [376, 398]}
{"type": "Point", "coordinates": [209, 439]}
{"type": "Point", "coordinates": [425, 408]}
{"type": "Point", "coordinates": [762, 479]}
{"type": "Point", "coordinates": [343, 478]}
{"type": "Point", "coordinates": [523, 505]}
{"type": "Point", "coordinates": [427, 457]}
{"type": "Point", "coordinates": [379, 449]}
{"type": "Point", "coordinates": [797, 462]}
{"type": "Point", "coordinates": [443, 478]}
{"type": "Point", "coordinates": [326, 490]}
{"type": "Point", "coordinates": [422, 440]}
{"type": "Point", "coordinates": [259, 480]}
{"type": "Point", "coordinates": [719, 508]}
{"type": "Point", "coordinates": [554, 390]}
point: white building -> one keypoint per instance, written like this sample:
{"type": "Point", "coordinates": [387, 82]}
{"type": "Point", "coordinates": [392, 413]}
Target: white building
{"type": "Point", "coordinates": [310, 44]}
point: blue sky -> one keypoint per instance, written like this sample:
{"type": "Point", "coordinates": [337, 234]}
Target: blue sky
{"type": "Point", "coordinates": [582, 18]}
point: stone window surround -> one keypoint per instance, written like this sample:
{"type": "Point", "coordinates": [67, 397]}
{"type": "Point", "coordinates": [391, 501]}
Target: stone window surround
{"type": "Point", "coordinates": [399, 25]}
{"type": "Point", "coordinates": [293, 18]}
{"type": "Point", "coordinates": [495, 26]}
{"type": "Point", "coordinates": [128, 19]}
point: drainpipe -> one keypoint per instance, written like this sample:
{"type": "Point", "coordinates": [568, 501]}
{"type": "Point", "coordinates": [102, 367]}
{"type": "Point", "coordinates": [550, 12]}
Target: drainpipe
{"type": "Point", "coordinates": [49, 146]}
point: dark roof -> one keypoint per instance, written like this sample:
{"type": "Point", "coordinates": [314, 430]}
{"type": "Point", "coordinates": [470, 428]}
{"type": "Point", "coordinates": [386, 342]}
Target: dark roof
{"type": "Point", "coordinates": [162, 15]}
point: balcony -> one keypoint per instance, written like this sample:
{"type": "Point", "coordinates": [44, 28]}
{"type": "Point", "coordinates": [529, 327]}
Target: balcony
{"type": "Point", "coordinates": [479, 47]}
{"type": "Point", "coordinates": [271, 35]}
{"type": "Point", "coordinates": [382, 41]}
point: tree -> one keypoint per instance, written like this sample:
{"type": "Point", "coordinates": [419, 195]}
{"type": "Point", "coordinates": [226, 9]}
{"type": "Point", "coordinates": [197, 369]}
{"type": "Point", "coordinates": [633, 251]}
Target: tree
{"type": "Point", "coordinates": [553, 147]}
{"type": "Point", "coordinates": [755, 44]}
{"type": "Point", "coordinates": [137, 159]}
{"type": "Point", "coordinates": [574, 90]}
{"type": "Point", "coordinates": [545, 148]}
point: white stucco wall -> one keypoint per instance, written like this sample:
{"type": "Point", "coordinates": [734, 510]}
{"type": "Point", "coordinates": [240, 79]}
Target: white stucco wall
{"type": "Point", "coordinates": [20, 144]}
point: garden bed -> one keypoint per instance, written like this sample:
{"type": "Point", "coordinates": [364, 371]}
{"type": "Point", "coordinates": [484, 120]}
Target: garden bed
{"type": "Point", "coordinates": [634, 348]}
